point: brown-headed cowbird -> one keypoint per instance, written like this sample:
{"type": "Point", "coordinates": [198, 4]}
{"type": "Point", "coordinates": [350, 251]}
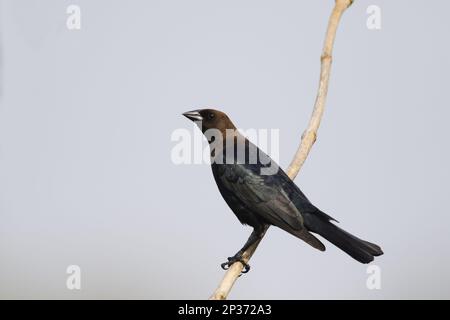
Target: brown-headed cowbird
{"type": "Point", "coordinates": [260, 193]}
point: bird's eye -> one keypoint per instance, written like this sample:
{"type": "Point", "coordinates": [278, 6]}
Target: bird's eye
{"type": "Point", "coordinates": [211, 116]}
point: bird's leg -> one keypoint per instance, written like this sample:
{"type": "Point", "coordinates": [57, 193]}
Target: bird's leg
{"type": "Point", "coordinates": [256, 235]}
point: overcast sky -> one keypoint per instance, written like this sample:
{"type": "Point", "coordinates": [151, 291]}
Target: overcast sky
{"type": "Point", "coordinates": [86, 119]}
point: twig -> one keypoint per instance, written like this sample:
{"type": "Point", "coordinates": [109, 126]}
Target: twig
{"type": "Point", "coordinates": [307, 141]}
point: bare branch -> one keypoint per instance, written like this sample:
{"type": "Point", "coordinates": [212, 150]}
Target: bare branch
{"type": "Point", "coordinates": [307, 141]}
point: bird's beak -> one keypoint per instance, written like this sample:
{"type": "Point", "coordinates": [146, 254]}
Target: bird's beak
{"type": "Point", "coordinates": [193, 115]}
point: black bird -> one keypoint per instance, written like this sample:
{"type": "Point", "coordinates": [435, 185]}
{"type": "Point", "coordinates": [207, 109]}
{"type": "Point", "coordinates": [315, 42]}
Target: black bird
{"type": "Point", "coordinates": [260, 193]}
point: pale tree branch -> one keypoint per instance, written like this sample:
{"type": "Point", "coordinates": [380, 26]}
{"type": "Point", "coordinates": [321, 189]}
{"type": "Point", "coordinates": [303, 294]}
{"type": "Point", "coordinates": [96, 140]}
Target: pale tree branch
{"type": "Point", "coordinates": [308, 138]}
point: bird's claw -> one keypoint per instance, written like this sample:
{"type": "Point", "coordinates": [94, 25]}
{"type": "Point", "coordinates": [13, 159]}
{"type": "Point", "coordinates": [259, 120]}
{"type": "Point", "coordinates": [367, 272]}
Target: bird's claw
{"type": "Point", "coordinates": [232, 260]}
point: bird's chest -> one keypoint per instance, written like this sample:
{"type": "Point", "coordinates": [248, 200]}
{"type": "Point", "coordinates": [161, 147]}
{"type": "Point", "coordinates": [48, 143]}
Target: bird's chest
{"type": "Point", "coordinates": [240, 208]}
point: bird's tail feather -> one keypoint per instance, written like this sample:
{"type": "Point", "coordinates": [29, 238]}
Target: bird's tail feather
{"type": "Point", "coordinates": [360, 250]}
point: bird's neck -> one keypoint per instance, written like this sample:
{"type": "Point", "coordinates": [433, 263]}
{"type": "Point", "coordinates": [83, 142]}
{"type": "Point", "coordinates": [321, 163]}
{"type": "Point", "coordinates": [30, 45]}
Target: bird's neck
{"type": "Point", "coordinates": [232, 145]}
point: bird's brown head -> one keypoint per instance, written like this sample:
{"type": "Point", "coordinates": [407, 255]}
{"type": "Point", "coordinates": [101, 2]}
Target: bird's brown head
{"type": "Point", "coordinates": [210, 119]}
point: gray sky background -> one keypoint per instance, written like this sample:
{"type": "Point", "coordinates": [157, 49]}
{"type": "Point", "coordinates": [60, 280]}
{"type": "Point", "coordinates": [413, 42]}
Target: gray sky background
{"type": "Point", "coordinates": [86, 117]}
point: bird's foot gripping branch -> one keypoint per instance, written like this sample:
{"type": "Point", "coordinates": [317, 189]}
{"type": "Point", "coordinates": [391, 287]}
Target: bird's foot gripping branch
{"type": "Point", "coordinates": [234, 259]}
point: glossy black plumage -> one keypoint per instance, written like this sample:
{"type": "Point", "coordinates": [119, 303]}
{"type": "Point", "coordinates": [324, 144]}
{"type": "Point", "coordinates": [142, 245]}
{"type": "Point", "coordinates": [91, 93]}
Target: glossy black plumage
{"type": "Point", "coordinates": [259, 199]}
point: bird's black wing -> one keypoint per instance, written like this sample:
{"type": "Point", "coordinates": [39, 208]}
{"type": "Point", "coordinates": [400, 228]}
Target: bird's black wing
{"type": "Point", "coordinates": [299, 199]}
{"type": "Point", "coordinates": [265, 196]}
